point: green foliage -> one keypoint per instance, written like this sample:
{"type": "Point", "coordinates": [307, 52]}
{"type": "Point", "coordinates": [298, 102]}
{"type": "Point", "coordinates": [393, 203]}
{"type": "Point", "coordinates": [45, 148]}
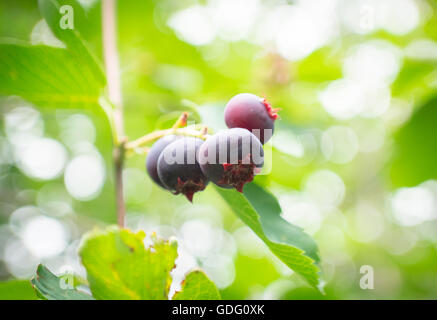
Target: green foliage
{"type": "Point", "coordinates": [115, 260]}
{"type": "Point", "coordinates": [73, 38]}
{"type": "Point", "coordinates": [159, 70]}
{"type": "Point", "coordinates": [16, 290]}
{"type": "Point", "coordinates": [47, 76]}
{"type": "Point", "coordinates": [50, 10]}
{"type": "Point", "coordinates": [49, 287]}
{"type": "Point", "coordinates": [415, 156]}
{"type": "Point", "coordinates": [120, 267]}
{"type": "Point", "coordinates": [414, 80]}
{"type": "Point", "coordinates": [197, 286]}
{"type": "Point", "coordinates": [260, 211]}
{"type": "Point", "coordinates": [262, 273]}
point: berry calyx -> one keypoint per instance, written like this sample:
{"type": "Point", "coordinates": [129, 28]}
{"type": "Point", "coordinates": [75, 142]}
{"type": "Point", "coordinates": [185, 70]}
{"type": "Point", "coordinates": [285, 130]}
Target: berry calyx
{"type": "Point", "coordinates": [189, 188]}
{"type": "Point", "coordinates": [178, 167]}
{"type": "Point", "coordinates": [231, 158]}
{"type": "Point", "coordinates": [248, 111]}
{"type": "Point", "coordinates": [272, 112]}
{"type": "Point", "coordinates": [236, 175]}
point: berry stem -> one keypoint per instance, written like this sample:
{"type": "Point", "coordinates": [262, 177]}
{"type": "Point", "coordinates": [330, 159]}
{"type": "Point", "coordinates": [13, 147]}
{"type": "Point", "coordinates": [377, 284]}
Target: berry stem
{"type": "Point", "coordinates": [182, 121]}
{"type": "Point", "coordinates": [115, 98]}
{"type": "Point", "coordinates": [187, 131]}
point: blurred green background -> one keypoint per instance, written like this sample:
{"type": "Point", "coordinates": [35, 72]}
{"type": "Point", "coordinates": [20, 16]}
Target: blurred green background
{"type": "Point", "coordinates": [354, 154]}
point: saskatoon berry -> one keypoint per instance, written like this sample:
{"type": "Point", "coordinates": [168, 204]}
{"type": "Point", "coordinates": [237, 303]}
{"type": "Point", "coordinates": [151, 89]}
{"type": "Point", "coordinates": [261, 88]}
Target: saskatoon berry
{"type": "Point", "coordinates": [178, 167]}
{"type": "Point", "coordinates": [231, 158]}
{"type": "Point", "coordinates": [153, 155]}
{"type": "Point", "coordinates": [248, 111]}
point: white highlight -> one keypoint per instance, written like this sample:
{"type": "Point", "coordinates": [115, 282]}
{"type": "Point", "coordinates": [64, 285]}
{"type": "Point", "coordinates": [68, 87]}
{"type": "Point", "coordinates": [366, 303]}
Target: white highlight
{"type": "Point", "coordinates": [325, 188]}
{"type": "Point", "coordinates": [44, 237]}
{"type": "Point", "coordinates": [41, 34]}
{"type": "Point", "coordinates": [84, 177]}
{"type": "Point", "coordinates": [422, 49]}
{"type": "Point", "coordinates": [339, 144]}
{"type": "Point", "coordinates": [413, 206]}
{"type": "Point", "coordinates": [43, 159]}
{"type": "Point", "coordinates": [305, 27]}
{"type": "Point", "coordinates": [193, 25]}
{"type": "Point", "coordinates": [374, 63]}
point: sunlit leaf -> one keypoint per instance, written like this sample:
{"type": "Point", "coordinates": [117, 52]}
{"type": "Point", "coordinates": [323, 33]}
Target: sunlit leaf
{"type": "Point", "coordinates": [415, 156]}
{"type": "Point", "coordinates": [414, 80]}
{"type": "Point", "coordinates": [68, 77]}
{"type": "Point", "coordinates": [53, 12]}
{"type": "Point", "coordinates": [17, 290]}
{"type": "Point", "coordinates": [260, 211]}
{"type": "Point", "coordinates": [50, 287]}
{"type": "Point", "coordinates": [197, 286]}
{"type": "Point", "coordinates": [47, 76]}
{"type": "Point", "coordinates": [119, 266]}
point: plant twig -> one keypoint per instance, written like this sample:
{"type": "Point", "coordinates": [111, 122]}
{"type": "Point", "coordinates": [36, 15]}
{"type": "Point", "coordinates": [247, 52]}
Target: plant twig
{"type": "Point", "coordinates": [188, 131]}
{"type": "Point", "coordinates": [114, 93]}
{"type": "Point", "coordinates": [177, 128]}
{"type": "Point", "coordinates": [108, 108]}
{"type": "Point", "coordinates": [118, 163]}
{"type": "Point", "coordinates": [111, 61]}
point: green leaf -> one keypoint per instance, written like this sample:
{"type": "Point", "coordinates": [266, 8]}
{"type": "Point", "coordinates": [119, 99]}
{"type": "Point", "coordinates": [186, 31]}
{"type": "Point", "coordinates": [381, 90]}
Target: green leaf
{"type": "Point", "coordinates": [47, 76]}
{"type": "Point", "coordinates": [73, 38]}
{"type": "Point", "coordinates": [119, 266]}
{"type": "Point", "coordinates": [415, 156]}
{"type": "Point", "coordinates": [197, 286]}
{"type": "Point", "coordinates": [414, 82]}
{"type": "Point", "coordinates": [54, 77]}
{"type": "Point", "coordinates": [260, 211]}
{"type": "Point", "coordinates": [49, 287]}
{"type": "Point", "coordinates": [17, 290]}
{"type": "Point", "coordinates": [73, 14]}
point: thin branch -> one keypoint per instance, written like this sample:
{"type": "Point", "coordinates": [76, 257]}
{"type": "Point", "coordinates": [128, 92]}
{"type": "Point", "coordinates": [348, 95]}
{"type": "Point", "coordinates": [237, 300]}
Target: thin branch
{"type": "Point", "coordinates": [118, 163]}
{"type": "Point", "coordinates": [138, 143]}
{"type": "Point", "coordinates": [111, 61]}
{"type": "Point", "coordinates": [114, 92]}
{"type": "Point", "coordinates": [108, 108]}
{"type": "Point", "coordinates": [148, 138]}
{"type": "Point", "coordinates": [177, 128]}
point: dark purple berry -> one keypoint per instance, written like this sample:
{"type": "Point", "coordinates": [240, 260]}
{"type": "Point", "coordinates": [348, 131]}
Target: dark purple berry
{"type": "Point", "coordinates": [178, 167]}
{"type": "Point", "coordinates": [248, 111]}
{"type": "Point", "coordinates": [153, 155]}
{"type": "Point", "coordinates": [231, 158]}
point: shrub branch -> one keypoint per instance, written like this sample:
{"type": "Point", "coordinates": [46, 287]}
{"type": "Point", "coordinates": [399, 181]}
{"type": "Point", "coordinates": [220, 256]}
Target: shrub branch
{"type": "Point", "coordinates": [114, 93]}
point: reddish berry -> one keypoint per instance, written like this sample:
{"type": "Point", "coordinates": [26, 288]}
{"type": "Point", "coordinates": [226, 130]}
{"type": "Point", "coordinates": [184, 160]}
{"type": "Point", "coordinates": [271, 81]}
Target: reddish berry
{"type": "Point", "coordinates": [231, 158]}
{"type": "Point", "coordinates": [248, 111]}
{"type": "Point", "coordinates": [153, 155]}
{"type": "Point", "coordinates": [178, 167]}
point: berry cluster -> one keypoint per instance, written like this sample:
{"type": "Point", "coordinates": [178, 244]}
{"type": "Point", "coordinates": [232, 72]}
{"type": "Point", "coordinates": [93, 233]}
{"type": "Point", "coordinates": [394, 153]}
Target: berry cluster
{"type": "Point", "coordinates": [229, 159]}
